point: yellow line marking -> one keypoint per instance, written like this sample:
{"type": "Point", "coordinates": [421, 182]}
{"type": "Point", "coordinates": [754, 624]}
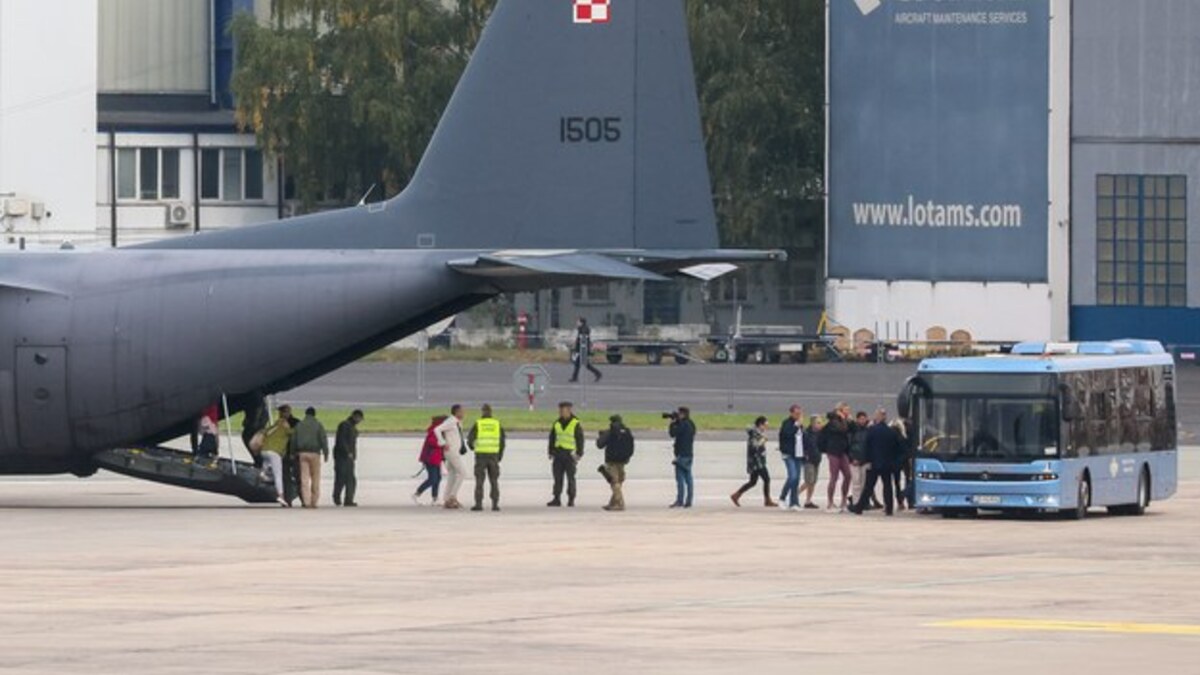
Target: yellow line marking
{"type": "Point", "coordinates": [1119, 627]}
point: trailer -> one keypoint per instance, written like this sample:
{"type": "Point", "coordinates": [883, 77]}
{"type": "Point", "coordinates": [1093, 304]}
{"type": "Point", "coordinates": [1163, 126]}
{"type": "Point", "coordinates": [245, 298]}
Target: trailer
{"type": "Point", "coordinates": [654, 349]}
{"type": "Point", "coordinates": [772, 347]}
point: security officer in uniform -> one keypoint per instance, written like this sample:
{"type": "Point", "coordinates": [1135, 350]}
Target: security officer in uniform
{"type": "Point", "coordinates": [487, 439]}
{"type": "Point", "coordinates": [565, 450]}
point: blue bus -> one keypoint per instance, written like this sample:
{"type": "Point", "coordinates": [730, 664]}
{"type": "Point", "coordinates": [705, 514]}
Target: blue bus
{"type": "Point", "coordinates": [1051, 427]}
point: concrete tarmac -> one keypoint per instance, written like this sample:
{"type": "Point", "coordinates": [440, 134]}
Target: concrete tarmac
{"type": "Point", "coordinates": [111, 575]}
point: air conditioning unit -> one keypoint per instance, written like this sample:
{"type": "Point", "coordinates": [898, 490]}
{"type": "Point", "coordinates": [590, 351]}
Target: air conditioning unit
{"type": "Point", "coordinates": [179, 215]}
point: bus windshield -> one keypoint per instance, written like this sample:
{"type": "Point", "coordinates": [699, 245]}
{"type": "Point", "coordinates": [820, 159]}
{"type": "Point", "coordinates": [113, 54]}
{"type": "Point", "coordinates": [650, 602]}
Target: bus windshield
{"type": "Point", "coordinates": [977, 428]}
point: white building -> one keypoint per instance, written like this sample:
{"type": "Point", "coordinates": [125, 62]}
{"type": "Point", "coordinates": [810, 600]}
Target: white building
{"type": "Point", "coordinates": [47, 120]}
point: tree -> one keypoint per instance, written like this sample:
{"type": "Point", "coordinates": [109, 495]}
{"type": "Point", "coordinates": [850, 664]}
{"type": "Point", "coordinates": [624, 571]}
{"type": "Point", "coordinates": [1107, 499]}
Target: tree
{"type": "Point", "coordinates": [349, 91]}
{"type": "Point", "coordinates": [760, 78]}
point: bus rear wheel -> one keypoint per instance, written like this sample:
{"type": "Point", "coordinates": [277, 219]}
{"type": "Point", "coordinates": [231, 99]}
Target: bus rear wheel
{"type": "Point", "coordinates": [1083, 499]}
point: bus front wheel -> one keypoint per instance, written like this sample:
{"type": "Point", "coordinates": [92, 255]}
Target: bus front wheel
{"type": "Point", "coordinates": [1083, 499]}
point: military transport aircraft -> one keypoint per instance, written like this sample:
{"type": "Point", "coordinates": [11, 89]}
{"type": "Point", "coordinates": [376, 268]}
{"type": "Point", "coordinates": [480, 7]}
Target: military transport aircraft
{"type": "Point", "coordinates": [570, 152]}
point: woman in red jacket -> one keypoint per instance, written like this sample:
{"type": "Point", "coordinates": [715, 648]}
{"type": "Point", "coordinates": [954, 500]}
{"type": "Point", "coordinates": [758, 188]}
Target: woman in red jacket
{"type": "Point", "coordinates": [432, 456]}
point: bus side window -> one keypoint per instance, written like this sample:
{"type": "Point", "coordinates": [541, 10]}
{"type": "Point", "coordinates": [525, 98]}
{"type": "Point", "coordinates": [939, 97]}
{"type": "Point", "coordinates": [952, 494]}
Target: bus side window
{"type": "Point", "coordinates": [1077, 440]}
{"type": "Point", "coordinates": [1127, 422]}
{"type": "Point", "coordinates": [1143, 410]}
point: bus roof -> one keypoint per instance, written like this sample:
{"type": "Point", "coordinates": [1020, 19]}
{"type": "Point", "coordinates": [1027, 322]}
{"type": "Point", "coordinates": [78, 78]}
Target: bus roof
{"type": "Point", "coordinates": [1062, 357]}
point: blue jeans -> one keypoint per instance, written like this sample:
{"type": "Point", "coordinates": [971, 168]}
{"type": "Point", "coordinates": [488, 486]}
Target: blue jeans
{"type": "Point", "coordinates": [684, 485]}
{"type": "Point", "coordinates": [434, 480]}
{"type": "Point", "coordinates": [791, 486]}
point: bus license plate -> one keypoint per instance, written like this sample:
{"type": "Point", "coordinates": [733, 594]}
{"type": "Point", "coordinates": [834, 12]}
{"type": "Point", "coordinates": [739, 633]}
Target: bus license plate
{"type": "Point", "coordinates": [987, 499]}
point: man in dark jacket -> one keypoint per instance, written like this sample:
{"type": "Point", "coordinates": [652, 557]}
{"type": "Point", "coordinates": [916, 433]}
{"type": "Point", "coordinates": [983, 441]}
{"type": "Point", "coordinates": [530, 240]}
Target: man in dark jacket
{"type": "Point", "coordinates": [581, 351]}
{"type": "Point", "coordinates": [791, 441]}
{"type": "Point", "coordinates": [883, 451]}
{"type": "Point", "coordinates": [683, 430]}
{"type": "Point", "coordinates": [617, 444]}
{"type": "Point", "coordinates": [345, 454]}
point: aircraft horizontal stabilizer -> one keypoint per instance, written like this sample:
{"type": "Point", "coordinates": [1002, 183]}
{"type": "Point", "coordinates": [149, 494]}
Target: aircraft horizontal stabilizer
{"type": "Point", "coordinates": [509, 270]}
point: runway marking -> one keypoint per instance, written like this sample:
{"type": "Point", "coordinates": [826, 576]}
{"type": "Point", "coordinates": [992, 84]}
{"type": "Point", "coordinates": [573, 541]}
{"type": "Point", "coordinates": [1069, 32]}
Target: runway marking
{"type": "Point", "coordinates": [1040, 625]}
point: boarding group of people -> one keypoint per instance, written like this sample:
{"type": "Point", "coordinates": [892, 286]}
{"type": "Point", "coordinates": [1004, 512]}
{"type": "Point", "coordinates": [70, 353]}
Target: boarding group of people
{"type": "Point", "coordinates": [291, 451]}
{"type": "Point", "coordinates": [861, 453]}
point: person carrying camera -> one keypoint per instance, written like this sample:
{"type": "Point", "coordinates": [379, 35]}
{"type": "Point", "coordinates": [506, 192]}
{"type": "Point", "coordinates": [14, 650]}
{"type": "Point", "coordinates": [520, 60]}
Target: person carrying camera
{"type": "Point", "coordinates": [617, 443]}
{"type": "Point", "coordinates": [565, 450]}
{"type": "Point", "coordinates": [683, 431]}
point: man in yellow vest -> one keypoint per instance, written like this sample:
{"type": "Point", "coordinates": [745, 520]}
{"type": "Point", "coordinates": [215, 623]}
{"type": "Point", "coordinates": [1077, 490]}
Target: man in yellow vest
{"type": "Point", "coordinates": [566, 448]}
{"type": "Point", "coordinates": [487, 439]}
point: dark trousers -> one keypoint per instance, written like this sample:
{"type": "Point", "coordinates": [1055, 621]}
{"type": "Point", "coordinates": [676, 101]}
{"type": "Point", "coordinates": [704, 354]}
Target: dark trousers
{"type": "Point", "coordinates": [754, 477]}
{"type": "Point", "coordinates": [487, 467]}
{"type": "Point", "coordinates": [344, 479]}
{"type": "Point", "coordinates": [291, 478]}
{"type": "Point", "coordinates": [563, 466]}
{"type": "Point", "coordinates": [889, 477]}
{"type": "Point", "coordinates": [433, 480]}
{"type": "Point", "coordinates": [583, 362]}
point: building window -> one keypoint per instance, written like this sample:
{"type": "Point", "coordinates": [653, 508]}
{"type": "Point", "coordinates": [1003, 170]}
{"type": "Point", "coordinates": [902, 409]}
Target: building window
{"type": "Point", "coordinates": [731, 287]}
{"type": "Point", "coordinates": [1141, 240]}
{"type": "Point", "coordinates": [596, 293]}
{"type": "Point", "coordinates": [799, 284]}
{"type": "Point", "coordinates": [147, 174]}
{"type": "Point", "coordinates": [231, 174]}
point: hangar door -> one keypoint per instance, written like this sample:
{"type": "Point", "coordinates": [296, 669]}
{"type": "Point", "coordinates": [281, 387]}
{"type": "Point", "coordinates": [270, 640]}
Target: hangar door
{"type": "Point", "coordinates": [42, 420]}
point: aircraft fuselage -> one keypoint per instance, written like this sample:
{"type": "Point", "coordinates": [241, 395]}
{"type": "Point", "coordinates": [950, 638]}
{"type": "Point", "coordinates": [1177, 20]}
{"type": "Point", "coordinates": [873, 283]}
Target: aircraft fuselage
{"type": "Point", "coordinates": [118, 348]}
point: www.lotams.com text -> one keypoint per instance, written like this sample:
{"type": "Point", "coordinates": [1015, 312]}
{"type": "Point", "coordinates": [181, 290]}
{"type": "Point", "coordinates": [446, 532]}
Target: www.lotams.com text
{"type": "Point", "coordinates": [913, 213]}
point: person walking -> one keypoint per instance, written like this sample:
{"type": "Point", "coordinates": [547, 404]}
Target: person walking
{"type": "Point", "coordinates": [791, 447]}
{"type": "Point", "coordinates": [756, 463]}
{"type": "Point", "coordinates": [565, 451]}
{"type": "Point", "coordinates": [255, 420]}
{"type": "Point", "coordinates": [488, 440]}
{"type": "Point", "coordinates": [835, 444]}
{"type": "Point", "coordinates": [432, 455]}
{"type": "Point", "coordinates": [617, 443]}
{"type": "Point", "coordinates": [276, 441]}
{"type": "Point", "coordinates": [345, 455]}
{"type": "Point", "coordinates": [453, 441]}
{"type": "Point", "coordinates": [581, 351]}
{"type": "Point", "coordinates": [291, 463]}
{"type": "Point", "coordinates": [683, 431]}
{"type": "Point", "coordinates": [811, 453]}
{"type": "Point", "coordinates": [883, 453]}
{"type": "Point", "coordinates": [859, 466]}
{"type": "Point", "coordinates": [311, 445]}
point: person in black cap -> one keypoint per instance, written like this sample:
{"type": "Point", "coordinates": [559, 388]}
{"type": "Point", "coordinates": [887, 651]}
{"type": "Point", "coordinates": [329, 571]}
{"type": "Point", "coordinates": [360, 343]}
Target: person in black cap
{"type": "Point", "coordinates": [617, 443]}
{"type": "Point", "coordinates": [565, 451]}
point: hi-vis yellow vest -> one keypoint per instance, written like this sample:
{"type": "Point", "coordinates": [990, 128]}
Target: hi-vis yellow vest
{"type": "Point", "coordinates": [487, 436]}
{"type": "Point", "coordinates": [564, 437]}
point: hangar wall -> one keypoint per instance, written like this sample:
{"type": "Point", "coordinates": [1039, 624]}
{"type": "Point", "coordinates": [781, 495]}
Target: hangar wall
{"type": "Point", "coordinates": [1136, 165]}
{"type": "Point", "coordinates": [948, 176]}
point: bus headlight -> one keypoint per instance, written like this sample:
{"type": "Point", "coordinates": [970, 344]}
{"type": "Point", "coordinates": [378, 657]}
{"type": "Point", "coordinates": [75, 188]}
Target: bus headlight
{"type": "Point", "coordinates": [926, 499]}
{"type": "Point", "coordinates": [929, 475]}
{"type": "Point", "coordinates": [1042, 477]}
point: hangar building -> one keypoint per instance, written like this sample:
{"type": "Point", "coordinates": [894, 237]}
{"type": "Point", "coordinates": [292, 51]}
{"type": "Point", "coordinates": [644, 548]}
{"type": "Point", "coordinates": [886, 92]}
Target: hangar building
{"type": "Point", "coordinates": [1013, 170]}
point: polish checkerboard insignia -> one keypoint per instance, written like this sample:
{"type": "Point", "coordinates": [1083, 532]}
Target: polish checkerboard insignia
{"type": "Point", "coordinates": [592, 11]}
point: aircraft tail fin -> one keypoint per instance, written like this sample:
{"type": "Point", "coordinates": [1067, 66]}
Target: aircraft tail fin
{"type": "Point", "coordinates": [576, 124]}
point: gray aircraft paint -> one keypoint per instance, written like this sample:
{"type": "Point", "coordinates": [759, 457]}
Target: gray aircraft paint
{"type": "Point", "coordinates": [497, 174]}
{"type": "Point", "coordinates": [124, 347]}
{"type": "Point", "coordinates": [950, 113]}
